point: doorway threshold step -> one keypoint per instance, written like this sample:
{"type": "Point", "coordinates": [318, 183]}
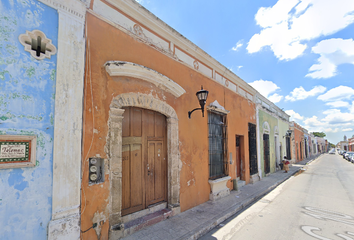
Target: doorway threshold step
{"type": "Point", "coordinates": [145, 221]}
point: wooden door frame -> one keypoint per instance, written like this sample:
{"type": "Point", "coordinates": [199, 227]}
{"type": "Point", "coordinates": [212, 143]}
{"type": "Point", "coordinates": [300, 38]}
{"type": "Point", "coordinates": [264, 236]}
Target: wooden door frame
{"type": "Point", "coordinates": [113, 149]}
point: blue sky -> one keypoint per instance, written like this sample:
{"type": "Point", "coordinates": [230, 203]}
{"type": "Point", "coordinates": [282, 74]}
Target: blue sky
{"type": "Point", "coordinates": [299, 54]}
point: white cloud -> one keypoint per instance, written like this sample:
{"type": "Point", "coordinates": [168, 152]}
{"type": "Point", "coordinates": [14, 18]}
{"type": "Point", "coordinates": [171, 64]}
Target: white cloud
{"type": "Point", "coordinates": [275, 98]}
{"type": "Point", "coordinates": [300, 93]}
{"type": "Point", "coordinates": [335, 116]}
{"type": "Point", "coordinates": [337, 104]}
{"type": "Point", "coordinates": [333, 52]}
{"type": "Point", "coordinates": [289, 24]}
{"type": "Point", "coordinates": [347, 129]}
{"type": "Point", "coordinates": [337, 94]}
{"type": "Point", "coordinates": [313, 122]}
{"type": "Point", "coordinates": [334, 121]}
{"type": "Point", "coordinates": [266, 88]}
{"type": "Point", "coordinates": [238, 45]}
{"type": "Point", "coordinates": [333, 130]}
{"type": "Point", "coordinates": [293, 115]}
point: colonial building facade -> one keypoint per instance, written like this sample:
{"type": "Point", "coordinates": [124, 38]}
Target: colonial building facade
{"type": "Point", "coordinates": [273, 126]}
{"type": "Point", "coordinates": [142, 153]}
{"type": "Point", "coordinates": [42, 69]}
{"type": "Point", "coordinates": [120, 133]}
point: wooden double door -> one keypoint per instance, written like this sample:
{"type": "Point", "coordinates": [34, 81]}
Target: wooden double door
{"type": "Point", "coordinates": [144, 159]}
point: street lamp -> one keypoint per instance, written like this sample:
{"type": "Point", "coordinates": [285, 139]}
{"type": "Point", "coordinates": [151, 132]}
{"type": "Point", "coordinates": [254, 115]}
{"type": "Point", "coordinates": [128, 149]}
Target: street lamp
{"type": "Point", "coordinates": [202, 96]}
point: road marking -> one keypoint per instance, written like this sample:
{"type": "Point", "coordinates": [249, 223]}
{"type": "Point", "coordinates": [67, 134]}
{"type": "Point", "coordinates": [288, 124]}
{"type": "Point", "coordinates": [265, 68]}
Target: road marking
{"type": "Point", "coordinates": [344, 237]}
{"type": "Point", "coordinates": [308, 230]}
{"type": "Point", "coordinates": [324, 214]}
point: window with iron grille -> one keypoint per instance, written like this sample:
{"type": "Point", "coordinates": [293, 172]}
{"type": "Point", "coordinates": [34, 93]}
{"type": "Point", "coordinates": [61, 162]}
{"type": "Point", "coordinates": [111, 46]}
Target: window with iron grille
{"type": "Point", "coordinates": [218, 165]}
{"type": "Point", "coordinates": [252, 146]}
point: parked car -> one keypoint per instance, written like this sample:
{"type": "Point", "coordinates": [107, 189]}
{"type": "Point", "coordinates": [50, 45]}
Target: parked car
{"type": "Point", "coordinates": [349, 156]}
{"type": "Point", "coordinates": [343, 153]}
{"type": "Point", "coordinates": [332, 151]}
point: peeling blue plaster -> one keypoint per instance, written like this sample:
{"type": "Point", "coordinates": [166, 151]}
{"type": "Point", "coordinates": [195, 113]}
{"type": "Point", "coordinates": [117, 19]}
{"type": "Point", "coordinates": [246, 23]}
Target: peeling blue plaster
{"type": "Point", "coordinates": [16, 180]}
{"type": "Point", "coordinates": [27, 87]}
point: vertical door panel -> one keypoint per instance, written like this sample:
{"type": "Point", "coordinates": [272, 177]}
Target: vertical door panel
{"type": "Point", "coordinates": [157, 175]}
{"type": "Point", "coordinates": [159, 171]}
{"type": "Point", "coordinates": [136, 175]}
{"type": "Point", "coordinates": [159, 122]}
{"type": "Point", "coordinates": [136, 122]}
{"type": "Point", "coordinates": [126, 176]}
{"type": "Point", "coordinates": [149, 126]}
{"type": "Point", "coordinates": [150, 187]}
{"type": "Point", "coordinates": [126, 123]}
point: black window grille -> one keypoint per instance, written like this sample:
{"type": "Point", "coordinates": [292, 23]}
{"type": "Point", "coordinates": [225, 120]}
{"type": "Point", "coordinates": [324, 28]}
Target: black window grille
{"type": "Point", "coordinates": [252, 146]}
{"type": "Point", "coordinates": [218, 165]}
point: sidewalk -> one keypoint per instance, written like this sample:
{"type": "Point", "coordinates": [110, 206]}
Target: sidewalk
{"type": "Point", "coordinates": [197, 221]}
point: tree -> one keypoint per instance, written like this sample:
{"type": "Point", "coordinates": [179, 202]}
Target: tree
{"type": "Point", "coordinates": [319, 134]}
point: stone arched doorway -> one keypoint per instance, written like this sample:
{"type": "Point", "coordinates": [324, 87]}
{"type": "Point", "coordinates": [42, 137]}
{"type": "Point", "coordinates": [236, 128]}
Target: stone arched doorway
{"type": "Point", "coordinates": [114, 150]}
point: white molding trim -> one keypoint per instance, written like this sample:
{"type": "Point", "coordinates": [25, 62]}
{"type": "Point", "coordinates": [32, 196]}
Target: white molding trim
{"type": "Point", "coordinates": [128, 69]}
{"type": "Point", "coordinates": [66, 197]}
{"type": "Point", "coordinates": [276, 131]}
{"type": "Point", "coordinates": [266, 128]}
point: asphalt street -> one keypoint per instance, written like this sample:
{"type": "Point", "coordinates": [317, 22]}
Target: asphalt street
{"type": "Point", "coordinates": [316, 204]}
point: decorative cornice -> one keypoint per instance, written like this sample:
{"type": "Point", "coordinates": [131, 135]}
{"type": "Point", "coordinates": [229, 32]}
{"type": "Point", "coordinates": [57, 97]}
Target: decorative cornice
{"type": "Point", "coordinates": [76, 9]}
{"type": "Point", "coordinates": [217, 110]}
{"type": "Point", "coordinates": [142, 15]}
{"type": "Point", "coordinates": [128, 69]}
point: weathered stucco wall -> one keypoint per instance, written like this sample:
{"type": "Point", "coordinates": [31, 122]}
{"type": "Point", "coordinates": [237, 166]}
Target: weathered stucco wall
{"type": "Point", "coordinates": [272, 121]}
{"type": "Point", "coordinates": [106, 43]}
{"type": "Point", "coordinates": [27, 93]}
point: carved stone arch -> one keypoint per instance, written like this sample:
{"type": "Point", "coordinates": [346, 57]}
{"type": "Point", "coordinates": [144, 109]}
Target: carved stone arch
{"type": "Point", "coordinates": [128, 69]}
{"type": "Point", "coordinates": [266, 128]}
{"type": "Point", "coordinates": [114, 149]}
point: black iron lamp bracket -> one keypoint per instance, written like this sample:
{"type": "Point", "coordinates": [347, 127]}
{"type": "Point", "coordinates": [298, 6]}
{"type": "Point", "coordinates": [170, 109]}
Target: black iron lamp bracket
{"type": "Point", "coordinates": [190, 112]}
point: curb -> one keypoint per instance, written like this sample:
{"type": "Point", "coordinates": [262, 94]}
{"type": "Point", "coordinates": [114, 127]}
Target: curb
{"type": "Point", "coordinates": [200, 231]}
{"type": "Point", "coordinates": [234, 210]}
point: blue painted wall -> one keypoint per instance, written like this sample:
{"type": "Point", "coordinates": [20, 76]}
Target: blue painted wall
{"type": "Point", "coordinates": [27, 92]}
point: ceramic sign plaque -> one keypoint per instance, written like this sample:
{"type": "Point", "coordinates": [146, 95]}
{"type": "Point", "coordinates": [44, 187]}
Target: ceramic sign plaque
{"type": "Point", "coordinates": [17, 151]}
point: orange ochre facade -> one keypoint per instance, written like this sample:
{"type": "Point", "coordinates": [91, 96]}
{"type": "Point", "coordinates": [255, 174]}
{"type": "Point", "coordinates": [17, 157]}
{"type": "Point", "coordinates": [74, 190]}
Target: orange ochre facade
{"type": "Point", "coordinates": [299, 143]}
{"type": "Point", "coordinates": [107, 43]}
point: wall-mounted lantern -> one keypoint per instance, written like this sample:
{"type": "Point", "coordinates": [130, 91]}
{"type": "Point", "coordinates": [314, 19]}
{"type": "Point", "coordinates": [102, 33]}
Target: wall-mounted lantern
{"type": "Point", "coordinates": [202, 96]}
